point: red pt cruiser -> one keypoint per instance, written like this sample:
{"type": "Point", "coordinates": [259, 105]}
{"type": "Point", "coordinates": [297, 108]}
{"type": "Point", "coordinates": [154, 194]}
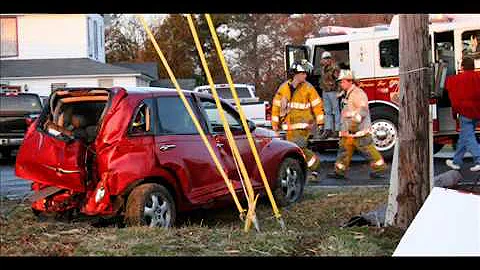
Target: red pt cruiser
{"type": "Point", "coordinates": [136, 153]}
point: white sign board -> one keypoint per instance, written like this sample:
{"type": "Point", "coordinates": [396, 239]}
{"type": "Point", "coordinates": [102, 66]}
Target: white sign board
{"type": "Point", "coordinates": [448, 224]}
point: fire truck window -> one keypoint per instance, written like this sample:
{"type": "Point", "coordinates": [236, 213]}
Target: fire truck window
{"type": "Point", "coordinates": [389, 53]}
{"type": "Point", "coordinates": [470, 44]}
{"type": "Point", "coordinates": [339, 51]}
{"type": "Point", "coordinates": [444, 50]}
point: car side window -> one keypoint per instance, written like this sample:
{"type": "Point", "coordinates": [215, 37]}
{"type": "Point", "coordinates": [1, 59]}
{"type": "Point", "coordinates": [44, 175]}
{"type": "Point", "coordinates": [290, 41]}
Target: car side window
{"type": "Point", "coordinates": [173, 118]}
{"type": "Point", "coordinates": [214, 120]}
{"type": "Point", "coordinates": [141, 122]}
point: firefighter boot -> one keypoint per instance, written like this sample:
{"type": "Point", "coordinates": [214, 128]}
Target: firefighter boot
{"type": "Point", "coordinates": [377, 175]}
{"type": "Point", "coordinates": [312, 176]}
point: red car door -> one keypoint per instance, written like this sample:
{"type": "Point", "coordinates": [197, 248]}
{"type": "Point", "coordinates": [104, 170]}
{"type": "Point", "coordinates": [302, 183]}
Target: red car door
{"type": "Point", "coordinates": [180, 148]}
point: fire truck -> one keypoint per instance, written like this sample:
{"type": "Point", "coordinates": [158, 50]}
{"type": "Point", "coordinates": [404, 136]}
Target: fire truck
{"type": "Point", "coordinates": [372, 53]}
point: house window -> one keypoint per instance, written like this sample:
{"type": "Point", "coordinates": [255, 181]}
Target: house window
{"type": "Point", "coordinates": [95, 40]}
{"type": "Point", "coordinates": [389, 53]}
{"type": "Point", "coordinates": [55, 86]}
{"type": "Point", "coordinates": [107, 83]}
{"type": "Point", "coordinates": [89, 37]}
{"type": "Point", "coordinates": [9, 38]}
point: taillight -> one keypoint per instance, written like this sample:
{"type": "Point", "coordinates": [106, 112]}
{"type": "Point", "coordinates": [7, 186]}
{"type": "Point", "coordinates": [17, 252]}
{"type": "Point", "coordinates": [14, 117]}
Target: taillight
{"type": "Point", "coordinates": [268, 112]}
{"type": "Point", "coordinates": [436, 125]}
{"type": "Point", "coordinates": [31, 118]}
{"type": "Point", "coordinates": [433, 112]}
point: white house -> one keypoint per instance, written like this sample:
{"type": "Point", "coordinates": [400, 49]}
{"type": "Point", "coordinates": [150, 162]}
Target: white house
{"type": "Point", "coordinates": [40, 52]}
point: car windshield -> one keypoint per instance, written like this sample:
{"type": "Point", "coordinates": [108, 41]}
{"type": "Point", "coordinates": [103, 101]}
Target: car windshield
{"type": "Point", "coordinates": [225, 93]}
{"type": "Point", "coordinates": [18, 103]}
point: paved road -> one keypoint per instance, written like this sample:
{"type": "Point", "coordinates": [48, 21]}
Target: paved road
{"type": "Point", "coordinates": [13, 187]}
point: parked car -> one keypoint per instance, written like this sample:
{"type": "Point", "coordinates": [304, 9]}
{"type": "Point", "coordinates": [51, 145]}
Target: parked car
{"type": "Point", "coordinates": [142, 158]}
{"type": "Point", "coordinates": [16, 110]}
{"type": "Point", "coordinates": [256, 110]}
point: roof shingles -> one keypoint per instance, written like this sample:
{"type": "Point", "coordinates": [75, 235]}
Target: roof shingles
{"type": "Point", "coordinates": [59, 67]}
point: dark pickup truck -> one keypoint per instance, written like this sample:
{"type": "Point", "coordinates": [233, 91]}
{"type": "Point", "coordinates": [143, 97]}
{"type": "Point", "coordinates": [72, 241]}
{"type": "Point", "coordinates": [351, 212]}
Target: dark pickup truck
{"type": "Point", "coordinates": [16, 109]}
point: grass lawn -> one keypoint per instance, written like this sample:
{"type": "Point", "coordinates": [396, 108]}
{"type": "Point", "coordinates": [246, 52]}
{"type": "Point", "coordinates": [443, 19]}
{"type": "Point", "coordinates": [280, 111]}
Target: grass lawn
{"type": "Point", "coordinates": [313, 229]}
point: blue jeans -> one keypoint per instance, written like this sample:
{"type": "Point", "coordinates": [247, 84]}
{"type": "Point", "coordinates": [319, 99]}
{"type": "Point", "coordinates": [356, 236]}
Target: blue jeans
{"type": "Point", "coordinates": [332, 111]}
{"type": "Point", "coordinates": [467, 141]}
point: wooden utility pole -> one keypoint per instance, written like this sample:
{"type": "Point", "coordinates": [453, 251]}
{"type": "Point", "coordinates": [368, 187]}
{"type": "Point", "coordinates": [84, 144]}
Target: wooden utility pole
{"type": "Point", "coordinates": [415, 85]}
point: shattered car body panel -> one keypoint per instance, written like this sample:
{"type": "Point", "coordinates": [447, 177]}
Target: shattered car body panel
{"type": "Point", "coordinates": [138, 138]}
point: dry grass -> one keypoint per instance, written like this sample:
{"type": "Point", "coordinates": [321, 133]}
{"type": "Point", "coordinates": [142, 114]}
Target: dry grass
{"type": "Point", "coordinates": [312, 230]}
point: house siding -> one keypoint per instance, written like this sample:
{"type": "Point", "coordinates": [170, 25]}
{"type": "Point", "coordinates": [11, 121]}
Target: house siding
{"type": "Point", "coordinates": [47, 36]}
{"type": "Point", "coordinates": [42, 86]}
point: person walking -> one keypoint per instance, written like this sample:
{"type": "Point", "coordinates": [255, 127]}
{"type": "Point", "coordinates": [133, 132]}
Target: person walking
{"type": "Point", "coordinates": [464, 93]}
{"type": "Point", "coordinates": [296, 109]}
{"type": "Point", "coordinates": [355, 130]}
{"type": "Point", "coordinates": [328, 84]}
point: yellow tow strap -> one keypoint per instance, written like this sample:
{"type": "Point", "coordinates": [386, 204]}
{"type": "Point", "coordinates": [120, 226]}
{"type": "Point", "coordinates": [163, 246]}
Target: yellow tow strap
{"type": "Point", "coordinates": [194, 118]}
{"type": "Point", "coordinates": [251, 217]}
{"type": "Point", "coordinates": [244, 121]}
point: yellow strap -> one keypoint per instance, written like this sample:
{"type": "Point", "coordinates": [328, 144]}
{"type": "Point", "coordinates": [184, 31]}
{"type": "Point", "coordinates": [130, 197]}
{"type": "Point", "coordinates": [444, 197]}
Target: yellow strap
{"type": "Point", "coordinates": [194, 118]}
{"type": "Point", "coordinates": [242, 117]}
{"type": "Point", "coordinates": [228, 132]}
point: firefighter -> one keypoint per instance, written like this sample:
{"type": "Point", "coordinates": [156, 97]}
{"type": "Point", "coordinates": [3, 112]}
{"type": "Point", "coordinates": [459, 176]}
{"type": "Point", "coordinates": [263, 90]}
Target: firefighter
{"type": "Point", "coordinates": [297, 108]}
{"type": "Point", "coordinates": [328, 84]}
{"type": "Point", "coordinates": [355, 130]}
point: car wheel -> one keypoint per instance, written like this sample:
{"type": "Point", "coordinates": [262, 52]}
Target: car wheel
{"type": "Point", "coordinates": [290, 182]}
{"type": "Point", "coordinates": [150, 205]}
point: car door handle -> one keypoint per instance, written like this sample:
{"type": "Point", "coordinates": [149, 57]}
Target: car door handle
{"type": "Point", "coordinates": [167, 146]}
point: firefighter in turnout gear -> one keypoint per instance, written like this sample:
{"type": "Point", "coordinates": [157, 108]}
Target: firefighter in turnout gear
{"type": "Point", "coordinates": [297, 108]}
{"type": "Point", "coordinates": [355, 130]}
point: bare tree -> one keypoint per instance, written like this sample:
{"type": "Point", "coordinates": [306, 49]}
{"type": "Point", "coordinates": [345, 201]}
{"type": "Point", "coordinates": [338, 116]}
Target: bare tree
{"type": "Point", "coordinates": [123, 39]}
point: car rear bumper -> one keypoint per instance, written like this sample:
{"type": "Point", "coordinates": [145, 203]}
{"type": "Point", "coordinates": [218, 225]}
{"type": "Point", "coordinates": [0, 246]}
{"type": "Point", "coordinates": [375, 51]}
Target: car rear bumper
{"type": "Point", "coordinates": [10, 142]}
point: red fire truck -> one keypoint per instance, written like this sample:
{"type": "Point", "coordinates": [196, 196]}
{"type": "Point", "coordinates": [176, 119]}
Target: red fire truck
{"type": "Point", "coordinates": [372, 53]}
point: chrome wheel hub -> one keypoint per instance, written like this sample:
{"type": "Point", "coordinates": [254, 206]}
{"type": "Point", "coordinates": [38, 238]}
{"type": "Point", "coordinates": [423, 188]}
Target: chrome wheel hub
{"type": "Point", "coordinates": [384, 134]}
{"type": "Point", "coordinates": [158, 213]}
{"type": "Point", "coordinates": [291, 184]}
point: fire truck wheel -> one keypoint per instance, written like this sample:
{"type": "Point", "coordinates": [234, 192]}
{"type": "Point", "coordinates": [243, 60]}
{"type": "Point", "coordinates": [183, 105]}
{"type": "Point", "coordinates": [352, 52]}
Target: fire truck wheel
{"type": "Point", "coordinates": [150, 205]}
{"type": "Point", "coordinates": [290, 182]}
{"type": "Point", "coordinates": [384, 130]}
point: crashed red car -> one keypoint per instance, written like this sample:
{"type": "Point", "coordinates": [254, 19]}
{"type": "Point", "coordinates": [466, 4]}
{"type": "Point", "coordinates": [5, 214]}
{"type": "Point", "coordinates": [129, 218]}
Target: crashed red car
{"type": "Point", "coordinates": [136, 154]}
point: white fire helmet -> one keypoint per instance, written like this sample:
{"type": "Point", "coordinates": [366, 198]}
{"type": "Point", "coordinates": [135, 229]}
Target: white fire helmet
{"type": "Point", "coordinates": [326, 54]}
{"type": "Point", "coordinates": [301, 66]}
{"type": "Point", "coordinates": [345, 74]}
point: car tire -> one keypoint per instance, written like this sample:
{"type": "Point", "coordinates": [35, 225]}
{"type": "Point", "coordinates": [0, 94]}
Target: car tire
{"type": "Point", "coordinates": [142, 210]}
{"type": "Point", "coordinates": [290, 182]}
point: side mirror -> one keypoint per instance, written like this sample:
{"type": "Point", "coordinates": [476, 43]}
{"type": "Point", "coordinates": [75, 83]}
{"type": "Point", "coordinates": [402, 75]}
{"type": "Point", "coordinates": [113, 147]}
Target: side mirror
{"type": "Point", "coordinates": [30, 119]}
